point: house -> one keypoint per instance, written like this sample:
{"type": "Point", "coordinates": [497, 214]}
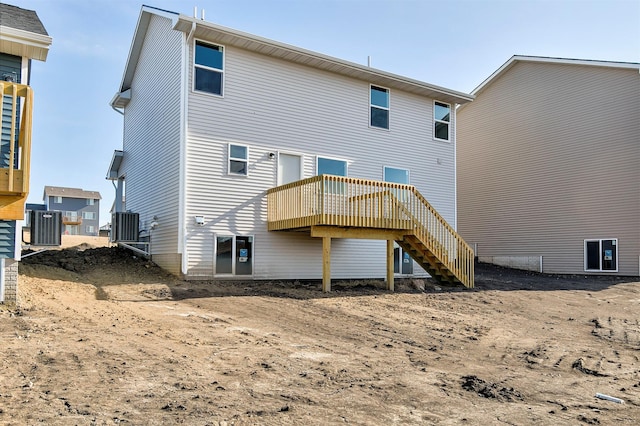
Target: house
{"type": "Point", "coordinates": [80, 209]}
{"type": "Point", "coordinates": [23, 38]}
{"type": "Point", "coordinates": [248, 158]}
{"type": "Point", "coordinates": [548, 166]}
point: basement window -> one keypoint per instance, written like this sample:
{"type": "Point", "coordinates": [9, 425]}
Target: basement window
{"type": "Point", "coordinates": [601, 255]}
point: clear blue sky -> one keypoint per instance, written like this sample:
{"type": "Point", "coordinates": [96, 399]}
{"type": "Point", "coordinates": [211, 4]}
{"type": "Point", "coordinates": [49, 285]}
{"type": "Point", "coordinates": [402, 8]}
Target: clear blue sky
{"type": "Point", "coordinates": [450, 43]}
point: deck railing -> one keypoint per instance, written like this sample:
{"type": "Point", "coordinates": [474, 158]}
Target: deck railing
{"type": "Point", "coordinates": [350, 202]}
{"type": "Point", "coordinates": [17, 104]}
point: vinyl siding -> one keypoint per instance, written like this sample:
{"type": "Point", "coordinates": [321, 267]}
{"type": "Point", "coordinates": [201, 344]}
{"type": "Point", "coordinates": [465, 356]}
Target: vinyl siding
{"type": "Point", "coordinates": [270, 105]}
{"type": "Point", "coordinates": [548, 156]}
{"type": "Point", "coordinates": [9, 64]}
{"type": "Point", "coordinates": [151, 160]}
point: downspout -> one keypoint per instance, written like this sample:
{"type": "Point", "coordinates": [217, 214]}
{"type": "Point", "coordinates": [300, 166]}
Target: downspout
{"type": "Point", "coordinates": [182, 239]}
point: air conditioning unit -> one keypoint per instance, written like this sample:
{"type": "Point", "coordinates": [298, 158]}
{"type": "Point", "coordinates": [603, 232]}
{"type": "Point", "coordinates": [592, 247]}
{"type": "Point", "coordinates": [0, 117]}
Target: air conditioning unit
{"type": "Point", "coordinates": [46, 228]}
{"type": "Point", "coordinates": [124, 227]}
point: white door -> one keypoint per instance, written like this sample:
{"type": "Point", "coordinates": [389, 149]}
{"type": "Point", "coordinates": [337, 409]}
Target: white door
{"type": "Point", "coordinates": [289, 168]}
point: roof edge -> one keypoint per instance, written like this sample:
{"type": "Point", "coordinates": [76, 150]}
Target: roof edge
{"type": "Point", "coordinates": [16, 36]}
{"type": "Point", "coordinates": [550, 60]}
{"type": "Point", "coordinates": [184, 24]}
{"type": "Point", "coordinates": [138, 37]}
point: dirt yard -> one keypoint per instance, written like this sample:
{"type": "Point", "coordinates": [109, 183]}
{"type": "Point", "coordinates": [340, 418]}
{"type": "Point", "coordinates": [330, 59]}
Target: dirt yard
{"type": "Point", "coordinates": [101, 337]}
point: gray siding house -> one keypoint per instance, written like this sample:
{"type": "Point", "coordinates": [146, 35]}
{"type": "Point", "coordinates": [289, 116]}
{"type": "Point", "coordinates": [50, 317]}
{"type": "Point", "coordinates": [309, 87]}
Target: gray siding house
{"type": "Point", "coordinates": [238, 115]}
{"type": "Point", "coordinates": [80, 209]}
{"type": "Point", "coordinates": [549, 166]}
{"type": "Point", "coordinates": [23, 38]}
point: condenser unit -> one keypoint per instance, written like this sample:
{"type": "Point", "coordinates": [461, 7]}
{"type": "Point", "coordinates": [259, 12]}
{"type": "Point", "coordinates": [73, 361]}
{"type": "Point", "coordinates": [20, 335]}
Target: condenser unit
{"type": "Point", "coordinates": [46, 228]}
{"type": "Point", "coordinates": [124, 227]}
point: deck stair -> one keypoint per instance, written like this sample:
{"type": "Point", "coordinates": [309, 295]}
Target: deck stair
{"type": "Point", "coordinates": [359, 208]}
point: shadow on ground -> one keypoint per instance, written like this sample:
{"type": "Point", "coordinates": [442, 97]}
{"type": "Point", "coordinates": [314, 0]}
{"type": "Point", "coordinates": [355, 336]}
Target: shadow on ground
{"type": "Point", "coordinates": [116, 266]}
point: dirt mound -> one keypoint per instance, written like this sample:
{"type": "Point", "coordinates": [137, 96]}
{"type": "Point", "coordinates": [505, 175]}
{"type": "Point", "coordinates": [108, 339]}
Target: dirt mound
{"type": "Point", "coordinates": [99, 266]}
{"type": "Point", "coordinates": [81, 259]}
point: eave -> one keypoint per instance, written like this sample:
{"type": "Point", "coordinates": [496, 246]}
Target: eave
{"type": "Point", "coordinates": [230, 37]}
{"type": "Point", "coordinates": [24, 43]}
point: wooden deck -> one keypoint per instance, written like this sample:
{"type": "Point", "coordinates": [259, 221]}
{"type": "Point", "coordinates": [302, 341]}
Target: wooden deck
{"type": "Point", "coordinates": [341, 207]}
{"type": "Point", "coordinates": [17, 104]}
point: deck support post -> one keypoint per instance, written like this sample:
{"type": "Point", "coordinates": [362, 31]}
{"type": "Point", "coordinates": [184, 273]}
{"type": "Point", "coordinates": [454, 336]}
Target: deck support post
{"type": "Point", "coordinates": [390, 284]}
{"type": "Point", "coordinates": [326, 264]}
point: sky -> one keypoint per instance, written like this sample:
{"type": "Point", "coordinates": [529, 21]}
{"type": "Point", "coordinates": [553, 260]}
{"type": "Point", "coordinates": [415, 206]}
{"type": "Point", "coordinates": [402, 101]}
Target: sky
{"type": "Point", "coordinates": [450, 43]}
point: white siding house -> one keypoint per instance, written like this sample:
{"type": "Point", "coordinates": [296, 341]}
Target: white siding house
{"type": "Point", "coordinates": [214, 118]}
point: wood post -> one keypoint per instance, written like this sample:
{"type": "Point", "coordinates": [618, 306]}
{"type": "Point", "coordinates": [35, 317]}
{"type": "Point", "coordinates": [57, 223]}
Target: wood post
{"type": "Point", "coordinates": [326, 264]}
{"type": "Point", "coordinates": [390, 284]}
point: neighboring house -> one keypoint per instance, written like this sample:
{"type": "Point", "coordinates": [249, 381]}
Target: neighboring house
{"type": "Point", "coordinates": [215, 119]}
{"type": "Point", "coordinates": [549, 166]}
{"type": "Point", "coordinates": [80, 209]}
{"type": "Point", "coordinates": [22, 39]}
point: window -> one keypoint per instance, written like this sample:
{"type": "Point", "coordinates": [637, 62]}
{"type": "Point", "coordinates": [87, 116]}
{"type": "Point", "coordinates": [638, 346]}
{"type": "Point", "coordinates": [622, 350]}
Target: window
{"type": "Point", "coordinates": [379, 99]}
{"type": "Point", "coordinates": [57, 200]}
{"type": "Point", "coordinates": [234, 255]}
{"type": "Point", "coordinates": [89, 215]}
{"type": "Point", "coordinates": [90, 201]}
{"type": "Point", "coordinates": [208, 68]}
{"type": "Point", "coordinates": [442, 118]}
{"type": "Point", "coordinates": [392, 174]}
{"type": "Point", "coordinates": [601, 255]}
{"type": "Point", "coordinates": [90, 229]}
{"type": "Point", "coordinates": [238, 160]}
{"type": "Point", "coordinates": [330, 166]}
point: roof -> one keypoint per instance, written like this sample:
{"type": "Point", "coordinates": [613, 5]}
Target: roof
{"type": "Point", "coordinates": [22, 33]}
{"type": "Point", "coordinates": [547, 60]}
{"type": "Point", "coordinates": [206, 30]}
{"type": "Point", "coordinates": [59, 191]}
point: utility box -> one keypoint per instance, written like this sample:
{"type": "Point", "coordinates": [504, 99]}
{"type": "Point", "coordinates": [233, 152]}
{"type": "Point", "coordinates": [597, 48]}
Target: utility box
{"type": "Point", "coordinates": [46, 228]}
{"type": "Point", "coordinates": [124, 227]}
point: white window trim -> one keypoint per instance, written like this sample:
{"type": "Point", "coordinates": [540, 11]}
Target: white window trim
{"type": "Point", "coordinates": [371, 105]}
{"type": "Point", "coordinates": [193, 73]}
{"type": "Point", "coordinates": [93, 215]}
{"type": "Point", "coordinates": [384, 173]}
{"type": "Point", "coordinates": [91, 202]}
{"type": "Point", "coordinates": [600, 240]}
{"type": "Point", "coordinates": [448, 123]}
{"type": "Point", "coordinates": [233, 257]}
{"type": "Point", "coordinates": [335, 159]}
{"type": "Point", "coordinates": [56, 198]}
{"type": "Point", "coordinates": [230, 158]}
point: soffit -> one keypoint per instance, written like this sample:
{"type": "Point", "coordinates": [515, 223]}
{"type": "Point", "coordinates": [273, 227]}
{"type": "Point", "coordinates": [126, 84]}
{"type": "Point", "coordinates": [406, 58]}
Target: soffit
{"type": "Point", "coordinates": [229, 37]}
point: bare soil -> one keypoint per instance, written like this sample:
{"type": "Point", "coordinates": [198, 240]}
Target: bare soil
{"type": "Point", "coordinates": [103, 337]}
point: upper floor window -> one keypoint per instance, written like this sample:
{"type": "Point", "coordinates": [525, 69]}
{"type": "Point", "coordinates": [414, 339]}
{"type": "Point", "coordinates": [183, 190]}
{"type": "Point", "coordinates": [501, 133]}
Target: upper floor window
{"type": "Point", "coordinates": [90, 201]}
{"type": "Point", "coordinates": [208, 68]}
{"type": "Point", "coordinates": [442, 119]}
{"type": "Point", "coordinates": [238, 160]}
{"type": "Point", "coordinates": [379, 115]}
{"type": "Point", "coordinates": [89, 215]}
{"type": "Point", "coordinates": [57, 200]}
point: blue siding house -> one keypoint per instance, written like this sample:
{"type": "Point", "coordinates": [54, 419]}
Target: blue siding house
{"type": "Point", "coordinates": [80, 209]}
